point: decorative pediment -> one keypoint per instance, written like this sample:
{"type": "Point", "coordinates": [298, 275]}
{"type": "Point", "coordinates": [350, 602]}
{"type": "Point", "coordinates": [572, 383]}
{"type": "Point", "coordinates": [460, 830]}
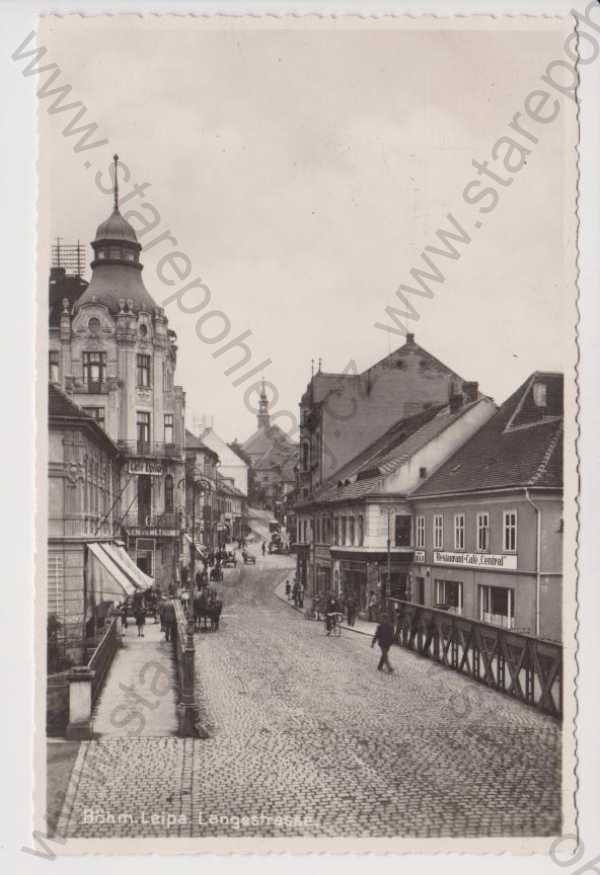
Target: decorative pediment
{"type": "Point", "coordinates": [93, 321]}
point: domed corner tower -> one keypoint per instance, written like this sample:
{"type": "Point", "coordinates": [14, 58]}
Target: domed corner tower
{"type": "Point", "coordinates": [119, 359]}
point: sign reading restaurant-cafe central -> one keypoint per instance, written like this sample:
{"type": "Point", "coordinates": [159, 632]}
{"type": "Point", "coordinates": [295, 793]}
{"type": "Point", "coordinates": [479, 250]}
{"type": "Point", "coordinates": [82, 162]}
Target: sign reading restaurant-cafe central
{"type": "Point", "coordinates": [504, 562]}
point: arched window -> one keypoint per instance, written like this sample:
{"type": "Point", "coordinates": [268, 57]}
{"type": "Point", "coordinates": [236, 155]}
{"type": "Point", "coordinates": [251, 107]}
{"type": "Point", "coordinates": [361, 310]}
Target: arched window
{"type": "Point", "coordinates": [169, 493]}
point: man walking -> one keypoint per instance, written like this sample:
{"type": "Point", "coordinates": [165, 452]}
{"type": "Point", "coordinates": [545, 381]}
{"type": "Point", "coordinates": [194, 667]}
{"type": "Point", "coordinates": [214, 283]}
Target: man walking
{"type": "Point", "coordinates": [372, 604]}
{"type": "Point", "coordinates": [384, 636]}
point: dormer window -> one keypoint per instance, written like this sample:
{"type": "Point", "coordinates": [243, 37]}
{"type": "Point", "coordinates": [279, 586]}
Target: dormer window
{"type": "Point", "coordinates": [129, 256]}
{"type": "Point", "coordinates": [539, 394]}
{"type": "Point", "coordinates": [115, 252]}
{"type": "Point", "coordinates": [101, 254]}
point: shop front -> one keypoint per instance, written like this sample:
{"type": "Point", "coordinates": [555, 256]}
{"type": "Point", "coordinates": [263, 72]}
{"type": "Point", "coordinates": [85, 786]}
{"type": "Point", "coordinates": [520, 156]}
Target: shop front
{"type": "Point", "coordinates": [364, 574]}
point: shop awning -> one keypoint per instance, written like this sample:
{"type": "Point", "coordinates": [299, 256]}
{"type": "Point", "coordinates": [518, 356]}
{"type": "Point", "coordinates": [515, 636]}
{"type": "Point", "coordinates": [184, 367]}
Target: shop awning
{"type": "Point", "coordinates": [121, 557]}
{"type": "Point", "coordinates": [106, 579]}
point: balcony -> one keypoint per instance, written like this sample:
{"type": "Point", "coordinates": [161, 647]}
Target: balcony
{"type": "Point", "coordinates": [161, 525]}
{"type": "Point", "coordinates": [151, 449]}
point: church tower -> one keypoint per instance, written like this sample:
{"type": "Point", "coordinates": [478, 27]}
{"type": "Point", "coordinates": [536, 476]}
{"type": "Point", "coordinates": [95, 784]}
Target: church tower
{"type": "Point", "coordinates": [263, 418]}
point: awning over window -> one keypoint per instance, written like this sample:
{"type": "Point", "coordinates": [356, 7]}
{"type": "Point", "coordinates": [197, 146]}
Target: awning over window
{"type": "Point", "coordinates": [106, 579]}
{"type": "Point", "coordinates": [122, 558]}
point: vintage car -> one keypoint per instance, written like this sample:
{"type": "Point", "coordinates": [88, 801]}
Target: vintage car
{"type": "Point", "coordinates": [249, 559]}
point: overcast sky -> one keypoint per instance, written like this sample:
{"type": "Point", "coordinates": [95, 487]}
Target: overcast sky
{"type": "Point", "coordinates": [303, 168]}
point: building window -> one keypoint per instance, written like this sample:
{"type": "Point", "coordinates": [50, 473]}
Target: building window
{"type": "Point", "coordinates": [96, 413]}
{"type": "Point", "coordinates": [449, 595]}
{"type": "Point", "coordinates": [510, 531]}
{"type": "Point", "coordinates": [343, 532]}
{"type": "Point", "coordinates": [483, 532]}
{"type": "Point", "coordinates": [336, 530]}
{"type": "Point", "coordinates": [168, 428]}
{"type": "Point", "coordinates": [54, 366]}
{"type": "Point", "coordinates": [420, 532]}
{"type": "Point", "coordinates": [361, 531]}
{"type": "Point", "coordinates": [143, 429]}
{"type": "Point", "coordinates": [351, 531]}
{"type": "Point", "coordinates": [94, 367]}
{"type": "Point", "coordinates": [169, 493]}
{"type": "Point", "coordinates": [497, 606]}
{"type": "Point", "coordinates": [438, 531]}
{"type": "Point", "coordinates": [143, 370]}
{"type": "Point", "coordinates": [402, 530]}
{"type": "Point", "coordinates": [459, 531]}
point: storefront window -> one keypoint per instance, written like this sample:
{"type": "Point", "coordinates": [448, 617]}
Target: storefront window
{"type": "Point", "coordinates": [449, 595]}
{"type": "Point", "coordinates": [497, 606]}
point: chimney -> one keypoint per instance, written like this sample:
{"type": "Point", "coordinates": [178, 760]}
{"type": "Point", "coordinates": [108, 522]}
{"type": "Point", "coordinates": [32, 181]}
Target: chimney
{"type": "Point", "coordinates": [470, 391]}
{"type": "Point", "coordinates": [410, 340]}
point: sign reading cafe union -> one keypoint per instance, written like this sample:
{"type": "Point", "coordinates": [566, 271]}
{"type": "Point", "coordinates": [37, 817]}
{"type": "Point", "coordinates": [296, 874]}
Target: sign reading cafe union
{"type": "Point", "coordinates": [145, 466]}
{"type": "Point", "coordinates": [476, 560]}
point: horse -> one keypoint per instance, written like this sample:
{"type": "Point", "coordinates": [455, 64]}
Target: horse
{"type": "Point", "coordinates": [206, 611]}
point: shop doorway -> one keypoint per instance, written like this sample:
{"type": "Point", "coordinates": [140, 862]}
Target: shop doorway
{"type": "Point", "coordinates": [144, 562]}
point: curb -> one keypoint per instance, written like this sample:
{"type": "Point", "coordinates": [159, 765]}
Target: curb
{"type": "Point", "coordinates": [300, 611]}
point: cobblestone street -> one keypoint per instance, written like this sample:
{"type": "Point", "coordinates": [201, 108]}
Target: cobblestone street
{"type": "Point", "coordinates": [307, 738]}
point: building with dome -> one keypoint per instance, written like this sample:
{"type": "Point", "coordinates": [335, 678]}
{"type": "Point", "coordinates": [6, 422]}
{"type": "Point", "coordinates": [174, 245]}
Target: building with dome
{"type": "Point", "coordinates": [112, 352]}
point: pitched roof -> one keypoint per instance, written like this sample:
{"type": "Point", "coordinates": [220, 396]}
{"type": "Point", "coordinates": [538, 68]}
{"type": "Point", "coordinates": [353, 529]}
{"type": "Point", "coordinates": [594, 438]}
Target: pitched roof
{"type": "Point", "coordinates": [365, 474]}
{"type": "Point", "coordinates": [521, 445]}
{"type": "Point", "coordinates": [324, 384]}
{"type": "Point", "coordinates": [61, 407]}
{"type": "Point", "coordinates": [193, 442]}
{"type": "Point", "coordinates": [265, 439]}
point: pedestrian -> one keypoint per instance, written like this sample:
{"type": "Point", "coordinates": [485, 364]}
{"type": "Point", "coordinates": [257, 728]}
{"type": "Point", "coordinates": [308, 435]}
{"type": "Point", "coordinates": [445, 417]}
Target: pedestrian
{"type": "Point", "coordinates": [351, 611]}
{"type": "Point", "coordinates": [288, 589]}
{"type": "Point", "coordinates": [384, 636]}
{"type": "Point", "coordinates": [300, 595]}
{"type": "Point", "coordinates": [372, 606]}
{"type": "Point", "coordinates": [169, 620]}
{"type": "Point", "coordinates": [295, 589]}
{"type": "Point", "coordinates": [140, 619]}
{"type": "Point", "coordinates": [333, 607]}
{"type": "Point", "coordinates": [161, 612]}
{"type": "Point", "coordinates": [264, 547]}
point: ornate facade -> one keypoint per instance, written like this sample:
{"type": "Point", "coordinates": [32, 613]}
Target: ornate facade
{"type": "Point", "coordinates": [112, 352]}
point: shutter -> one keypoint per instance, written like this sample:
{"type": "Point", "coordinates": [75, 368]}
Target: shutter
{"type": "Point", "coordinates": [56, 601]}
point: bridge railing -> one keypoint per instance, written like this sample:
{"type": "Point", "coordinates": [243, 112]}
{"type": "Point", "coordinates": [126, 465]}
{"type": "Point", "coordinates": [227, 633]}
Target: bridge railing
{"type": "Point", "coordinates": [519, 665]}
{"type": "Point", "coordinates": [183, 642]}
{"type": "Point", "coordinates": [102, 657]}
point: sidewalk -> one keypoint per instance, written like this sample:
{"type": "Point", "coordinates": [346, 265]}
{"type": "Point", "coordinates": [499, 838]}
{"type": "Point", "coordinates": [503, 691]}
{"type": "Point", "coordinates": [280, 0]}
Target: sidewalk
{"type": "Point", "coordinates": [139, 693]}
{"type": "Point", "coordinates": [363, 627]}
